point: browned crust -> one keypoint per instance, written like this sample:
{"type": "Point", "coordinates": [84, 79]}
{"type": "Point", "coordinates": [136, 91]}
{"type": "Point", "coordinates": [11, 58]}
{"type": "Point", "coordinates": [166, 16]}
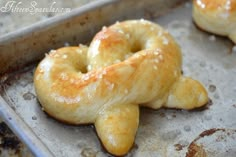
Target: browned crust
{"type": "Point", "coordinates": [214, 5]}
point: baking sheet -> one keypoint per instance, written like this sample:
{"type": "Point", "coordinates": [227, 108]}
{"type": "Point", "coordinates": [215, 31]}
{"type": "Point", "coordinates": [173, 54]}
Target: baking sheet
{"type": "Point", "coordinates": [161, 133]}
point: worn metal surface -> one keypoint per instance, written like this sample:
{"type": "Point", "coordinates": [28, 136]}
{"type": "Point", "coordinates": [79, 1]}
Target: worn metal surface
{"type": "Point", "coordinates": [161, 133]}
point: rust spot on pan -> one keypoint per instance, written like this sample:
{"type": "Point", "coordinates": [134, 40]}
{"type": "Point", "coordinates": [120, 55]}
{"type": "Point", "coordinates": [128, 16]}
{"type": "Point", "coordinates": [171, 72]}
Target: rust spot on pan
{"type": "Point", "coordinates": [208, 132]}
{"type": "Point", "coordinates": [195, 150]}
{"type": "Point", "coordinates": [198, 147]}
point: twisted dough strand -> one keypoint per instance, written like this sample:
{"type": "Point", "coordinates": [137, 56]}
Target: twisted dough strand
{"type": "Point", "coordinates": [128, 64]}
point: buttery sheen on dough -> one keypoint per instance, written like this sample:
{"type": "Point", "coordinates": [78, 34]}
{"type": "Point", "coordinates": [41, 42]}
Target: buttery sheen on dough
{"type": "Point", "coordinates": [128, 64]}
{"type": "Point", "coordinates": [216, 16]}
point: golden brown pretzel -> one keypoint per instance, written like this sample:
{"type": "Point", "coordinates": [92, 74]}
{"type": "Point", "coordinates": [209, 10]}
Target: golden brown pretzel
{"type": "Point", "coordinates": [128, 64]}
{"type": "Point", "coordinates": [216, 16]}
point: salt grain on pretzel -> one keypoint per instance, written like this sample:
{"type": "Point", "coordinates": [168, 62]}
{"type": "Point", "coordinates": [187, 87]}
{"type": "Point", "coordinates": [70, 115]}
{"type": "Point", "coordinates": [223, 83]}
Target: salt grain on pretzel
{"type": "Point", "coordinates": [106, 83]}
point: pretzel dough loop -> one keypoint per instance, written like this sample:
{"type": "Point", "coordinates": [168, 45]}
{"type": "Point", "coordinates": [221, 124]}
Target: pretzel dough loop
{"type": "Point", "coordinates": [123, 39]}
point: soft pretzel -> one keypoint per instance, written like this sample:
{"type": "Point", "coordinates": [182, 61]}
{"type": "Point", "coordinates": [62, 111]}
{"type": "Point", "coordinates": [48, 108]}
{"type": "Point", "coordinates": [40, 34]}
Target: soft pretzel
{"type": "Point", "coordinates": [216, 16]}
{"type": "Point", "coordinates": [128, 64]}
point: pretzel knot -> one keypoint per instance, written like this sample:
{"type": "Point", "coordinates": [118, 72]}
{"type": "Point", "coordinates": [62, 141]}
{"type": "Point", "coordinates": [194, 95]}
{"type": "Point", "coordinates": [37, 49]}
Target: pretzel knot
{"type": "Point", "coordinates": [128, 64]}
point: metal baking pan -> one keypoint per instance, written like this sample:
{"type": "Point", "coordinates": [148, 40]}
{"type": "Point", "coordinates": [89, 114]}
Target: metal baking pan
{"type": "Point", "coordinates": [161, 133]}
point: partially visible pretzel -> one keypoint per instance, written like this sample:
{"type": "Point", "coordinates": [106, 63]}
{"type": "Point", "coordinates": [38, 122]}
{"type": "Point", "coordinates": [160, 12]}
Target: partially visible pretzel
{"type": "Point", "coordinates": [216, 16]}
{"type": "Point", "coordinates": [128, 64]}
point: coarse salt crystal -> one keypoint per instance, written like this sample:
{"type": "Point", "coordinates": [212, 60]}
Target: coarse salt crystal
{"type": "Point", "coordinates": [52, 51]}
{"type": "Point", "coordinates": [56, 55]}
{"type": "Point", "coordinates": [100, 76]}
{"type": "Point", "coordinates": [85, 77]}
{"type": "Point", "coordinates": [161, 57]}
{"type": "Point", "coordinates": [127, 36]}
{"type": "Point", "coordinates": [159, 33]}
{"type": "Point", "coordinates": [82, 45]}
{"type": "Point", "coordinates": [142, 20]}
{"type": "Point", "coordinates": [144, 54]}
{"type": "Point", "coordinates": [104, 72]}
{"type": "Point", "coordinates": [127, 55]}
{"type": "Point", "coordinates": [79, 50]}
{"type": "Point", "coordinates": [41, 70]}
{"type": "Point", "coordinates": [104, 28]}
{"type": "Point", "coordinates": [117, 61]}
{"type": "Point", "coordinates": [228, 5]}
{"type": "Point", "coordinates": [165, 41]}
{"type": "Point", "coordinates": [66, 44]}
{"type": "Point", "coordinates": [201, 4]}
{"type": "Point", "coordinates": [137, 55]}
{"type": "Point", "coordinates": [64, 76]}
{"type": "Point", "coordinates": [156, 52]}
{"type": "Point", "coordinates": [89, 67]}
{"type": "Point", "coordinates": [234, 49]}
{"type": "Point", "coordinates": [121, 31]}
{"type": "Point", "coordinates": [212, 38]}
{"type": "Point", "coordinates": [111, 86]}
{"type": "Point", "coordinates": [156, 60]}
{"type": "Point", "coordinates": [64, 56]}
